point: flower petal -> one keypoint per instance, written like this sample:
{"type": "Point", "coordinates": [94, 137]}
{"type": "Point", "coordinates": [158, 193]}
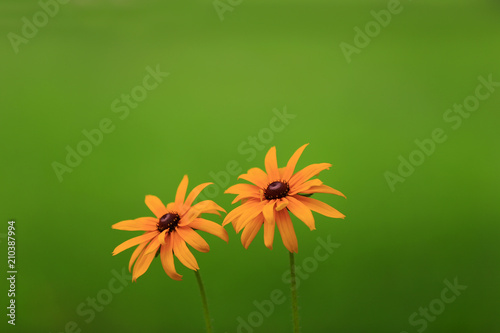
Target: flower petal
{"type": "Point", "coordinates": [301, 187]}
{"type": "Point", "coordinates": [153, 245]}
{"type": "Point", "coordinates": [162, 237]}
{"type": "Point", "coordinates": [285, 227]}
{"type": "Point", "coordinates": [181, 192]}
{"type": "Point", "coordinates": [323, 189]}
{"type": "Point", "coordinates": [308, 172]}
{"type": "Point", "coordinates": [210, 227]}
{"type": "Point", "coordinates": [269, 234]}
{"type": "Point", "coordinates": [292, 162]}
{"type": "Point", "coordinates": [142, 223]}
{"type": "Point", "coordinates": [182, 252]}
{"type": "Point", "coordinates": [244, 191]}
{"type": "Point", "coordinates": [155, 205]}
{"type": "Point", "coordinates": [189, 217]}
{"type": "Point", "coordinates": [282, 203]}
{"type": "Point", "coordinates": [253, 210]}
{"type": "Point", "coordinates": [137, 251]}
{"type": "Point", "coordinates": [142, 264]}
{"type": "Point", "coordinates": [241, 197]}
{"type": "Point", "coordinates": [251, 231]}
{"type": "Point", "coordinates": [194, 194]}
{"type": "Point", "coordinates": [234, 214]}
{"type": "Point", "coordinates": [243, 188]}
{"type": "Point", "coordinates": [256, 176]}
{"type": "Point", "coordinates": [167, 259]}
{"type": "Point", "coordinates": [268, 211]}
{"type": "Point", "coordinates": [272, 165]}
{"type": "Point", "coordinates": [134, 241]}
{"type": "Point", "coordinates": [301, 211]}
{"type": "Point", "coordinates": [212, 211]}
{"type": "Point", "coordinates": [320, 207]}
{"type": "Point", "coordinates": [193, 238]}
{"type": "Point", "coordinates": [281, 171]}
{"type": "Point", "coordinates": [206, 206]}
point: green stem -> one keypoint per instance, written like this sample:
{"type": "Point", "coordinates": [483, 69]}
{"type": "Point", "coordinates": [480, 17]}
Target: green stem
{"type": "Point", "coordinates": [208, 322]}
{"type": "Point", "coordinates": [293, 287]}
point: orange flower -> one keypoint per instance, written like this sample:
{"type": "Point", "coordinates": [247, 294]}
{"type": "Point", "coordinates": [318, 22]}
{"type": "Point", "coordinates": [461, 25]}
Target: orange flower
{"type": "Point", "coordinates": [264, 203]}
{"type": "Point", "coordinates": [168, 232]}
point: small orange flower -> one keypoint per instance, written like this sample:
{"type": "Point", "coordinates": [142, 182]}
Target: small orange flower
{"type": "Point", "coordinates": [168, 232]}
{"type": "Point", "coordinates": [264, 203]}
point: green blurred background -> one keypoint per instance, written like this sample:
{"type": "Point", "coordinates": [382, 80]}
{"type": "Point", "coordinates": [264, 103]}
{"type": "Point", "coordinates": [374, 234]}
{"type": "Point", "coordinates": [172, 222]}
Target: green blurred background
{"type": "Point", "coordinates": [226, 78]}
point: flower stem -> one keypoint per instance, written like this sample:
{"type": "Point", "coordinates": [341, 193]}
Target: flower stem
{"type": "Point", "coordinates": [208, 322]}
{"type": "Point", "coordinates": [293, 287]}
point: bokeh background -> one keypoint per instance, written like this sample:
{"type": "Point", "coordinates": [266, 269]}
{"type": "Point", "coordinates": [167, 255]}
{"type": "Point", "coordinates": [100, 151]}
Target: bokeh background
{"type": "Point", "coordinates": [226, 78]}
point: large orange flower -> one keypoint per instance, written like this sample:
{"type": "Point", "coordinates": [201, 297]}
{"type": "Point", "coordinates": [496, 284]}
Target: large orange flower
{"type": "Point", "coordinates": [168, 232]}
{"type": "Point", "coordinates": [276, 189]}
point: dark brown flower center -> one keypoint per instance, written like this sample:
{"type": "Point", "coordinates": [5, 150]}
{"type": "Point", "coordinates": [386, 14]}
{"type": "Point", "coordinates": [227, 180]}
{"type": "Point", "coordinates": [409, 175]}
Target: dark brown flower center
{"type": "Point", "coordinates": [168, 221]}
{"type": "Point", "coordinates": [276, 190]}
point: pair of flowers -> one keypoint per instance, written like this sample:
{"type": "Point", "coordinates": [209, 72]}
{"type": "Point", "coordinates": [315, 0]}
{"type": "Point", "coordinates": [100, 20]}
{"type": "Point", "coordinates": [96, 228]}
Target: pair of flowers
{"type": "Point", "coordinates": [267, 202]}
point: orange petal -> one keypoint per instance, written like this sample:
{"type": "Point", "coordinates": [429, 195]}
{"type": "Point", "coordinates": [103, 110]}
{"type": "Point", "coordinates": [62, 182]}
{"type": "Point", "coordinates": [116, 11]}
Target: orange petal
{"type": "Point", "coordinates": [142, 264]}
{"type": "Point", "coordinates": [142, 223]}
{"type": "Point", "coordinates": [282, 203]}
{"type": "Point", "coordinates": [268, 211]}
{"type": "Point", "coordinates": [308, 172]}
{"type": "Point", "coordinates": [242, 197]}
{"type": "Point", "coordinates": [320, 207]}
{"type": "Point", "coordinates": [292, 162]}
{"type": "Point", "coordinates": [250, 232]}
{"type": "Point", "coordinates": [244, 191]}
{"type": "Point", "coordinates": [253, 210]}
{"type": "Point", "coordinates": [207, 205]}
{"type": "Point", "coordinates": [243, 188]}
{"type": "Point", "coordinates": [235, 213]}
{"type": "Point", "coordinates": [212, 211]}
{"type": "Point", "coordinates": [269, 234]}
{"type": "Point", "coordinates": [272, 165]}
{"type": "Point", "coordinates": [189, 217]}
{"type": "Point", "coordinates": [182, 252]}
{"type": "Point", "coordinates": [301, 211]}
{"type": "Point", "coordinates": [137, 251]}
{"type": "Point", "coordinates": [210, 227]}
{"type": "Point", "coordinates": [193, 238]}
{"type": "Point", "coordinates": [181, 192]}
{"type": "Point", "coordinates": [155, 205]}
{"type": "Point", "coordinates": [167, 259]}
{"type": "Point", "coordinates": [134, 241]}
{"type": "Point", "coordinates": [285, 227]}
{"type": "Point", "coordinates": [153, 245]}
{"type": "Point", "coordinates": [194, 194]}
{"type": "Point", "coordinates": [281, 172]}
{"type": "Point", "coordinates": [256, 176]}
{"type": "Point", "coordinates": [301, 187]}
{"type": "Point", "coordinates": [323, 189]}
{"type": "Point", "coordinates": [162, 237]}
